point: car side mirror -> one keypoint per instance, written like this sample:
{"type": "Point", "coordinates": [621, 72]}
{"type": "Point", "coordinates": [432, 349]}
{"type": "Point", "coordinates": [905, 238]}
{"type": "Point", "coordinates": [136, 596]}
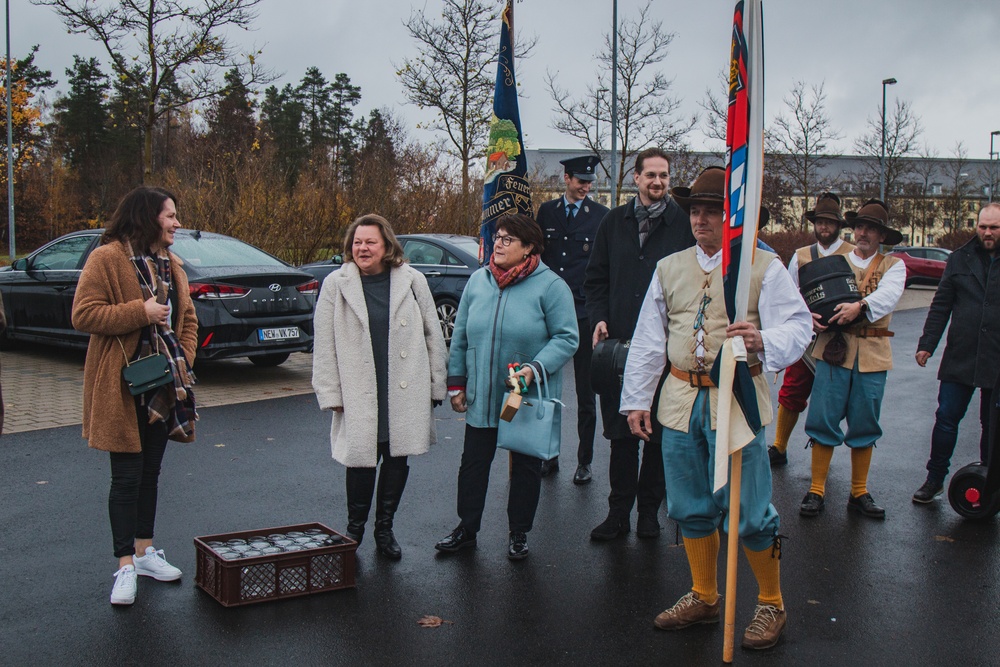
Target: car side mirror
{"type": "Point", "coordinates": [337, 259]}
{"type": "Point", "coordinates": [20, 264]}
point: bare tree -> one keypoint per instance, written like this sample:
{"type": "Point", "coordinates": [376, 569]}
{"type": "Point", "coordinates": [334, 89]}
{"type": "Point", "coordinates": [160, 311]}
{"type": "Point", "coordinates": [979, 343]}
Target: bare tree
{"type": "Point", "coordinates": [716, 110]}
{"type": "Point", "coordinates": [958, 186]}
{"type": "Point", "coordinates": [798, 141]}
{"type": "Point", "coordinates": [454, 74]}
{"type": "Point", "coordinates": [924, 208]}
{"type": "Point", "coordinates": [166, 45]}
{"type": "Point", "coordinates": [902, 134]}
{"type": "Point", "coordinates": [647, 112]}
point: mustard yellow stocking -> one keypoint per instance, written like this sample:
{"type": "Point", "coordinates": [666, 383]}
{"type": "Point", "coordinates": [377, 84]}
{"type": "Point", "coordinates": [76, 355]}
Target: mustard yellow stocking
{"type": "Point", "coordinates": [861, 461]}
{"type": "Point", "coordinates": [703, 558]}
{"type": "Point", "coordinates": [821, 457]}
{"type": "Point", "coordinates": [786, 423]}
{"type": "Point", "coordinates": [767, 569]}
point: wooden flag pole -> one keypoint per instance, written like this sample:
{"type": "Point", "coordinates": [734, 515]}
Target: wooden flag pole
{"type": "Point", "coordinates": [732, 547]}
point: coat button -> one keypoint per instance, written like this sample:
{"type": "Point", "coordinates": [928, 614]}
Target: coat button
{"type": "Point", "coordinates": [402, 322]}
{"type": "Point", "coordinates": [403, 384]}
{"type": "Point", "coordinates": [403, 354]}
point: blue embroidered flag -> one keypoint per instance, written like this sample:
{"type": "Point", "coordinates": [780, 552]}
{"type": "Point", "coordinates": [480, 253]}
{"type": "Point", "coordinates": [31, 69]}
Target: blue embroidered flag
{"type": "Point", "coordinates": [505, 186]}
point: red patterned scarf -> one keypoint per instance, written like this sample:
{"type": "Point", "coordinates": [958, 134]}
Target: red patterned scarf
{"type": "Point", "coordinates": [515, 274]}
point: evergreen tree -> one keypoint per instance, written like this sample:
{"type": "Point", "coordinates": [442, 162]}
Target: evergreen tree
{"type": "Point", "coordinates": [343, 131]}
{"type": "Point", "coordinates": [231, 122]}
{"type": "Point", "coordinates": [315, 94]}
{"type": "Point", "coordinates": [82, 118]}
{"type": "Point", "coordinates": [282, 114]}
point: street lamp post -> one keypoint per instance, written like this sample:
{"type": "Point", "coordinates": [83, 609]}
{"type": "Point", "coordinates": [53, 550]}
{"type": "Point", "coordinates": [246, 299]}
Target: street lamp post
{"type": "Point", "coordinates": [881, 162]}
{"type": "Point", "coordinates": [614, 104]}
{"type": "Point", "coordinates": [993, 168]}
{"type": "Point", "coordinates": [10, 150]}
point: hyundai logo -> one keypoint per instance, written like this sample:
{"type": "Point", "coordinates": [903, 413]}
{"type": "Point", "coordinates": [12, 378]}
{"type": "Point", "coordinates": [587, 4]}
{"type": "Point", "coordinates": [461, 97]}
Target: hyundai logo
{"type": "Point", "coordinates": [274, 287]}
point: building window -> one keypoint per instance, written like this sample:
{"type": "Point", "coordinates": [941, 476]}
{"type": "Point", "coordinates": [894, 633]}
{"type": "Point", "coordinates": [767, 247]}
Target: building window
{"type": "Point", "coordinates": [971, 223]}
{"type": "Point", "coordinates": [930, 239]}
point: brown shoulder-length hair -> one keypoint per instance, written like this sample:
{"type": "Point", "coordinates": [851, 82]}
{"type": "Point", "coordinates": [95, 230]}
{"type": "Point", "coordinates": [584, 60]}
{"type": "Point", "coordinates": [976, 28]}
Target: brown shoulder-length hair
{"type": "Point", "coordinates": [393, 250]}
{"type": "Point", "coordinates": [523, 228]}
{"type": "Point", "coordinates": [136, 220]}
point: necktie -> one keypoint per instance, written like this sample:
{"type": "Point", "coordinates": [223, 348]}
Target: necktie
{"type": "Point", "coordinates": [571, 211]}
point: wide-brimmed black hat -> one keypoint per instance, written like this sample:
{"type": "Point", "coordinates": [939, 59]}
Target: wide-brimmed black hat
{"type": "Point", "coordinates": [875, 213]}
{"type": "Point", "coordinates": [583, 168]}
{"type": "Point", "coordinates": [709, 188]}
{"type": "Point", "coordinates": [827, 208]}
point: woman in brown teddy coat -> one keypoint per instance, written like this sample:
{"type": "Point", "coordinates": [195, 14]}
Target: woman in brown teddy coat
{"type": "Point", "coordinates": [133, 300]}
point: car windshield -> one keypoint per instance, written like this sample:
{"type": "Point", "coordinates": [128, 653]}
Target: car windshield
{"type": "Point", "coordinates": [215, 251]}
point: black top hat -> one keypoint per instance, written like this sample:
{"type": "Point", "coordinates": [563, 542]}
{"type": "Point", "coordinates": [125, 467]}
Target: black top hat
{"type": "Point", "coordinates": [827, 208]}
{"type": "Point", "coordinates": [875, 213]}
{"type": "Point", "coordinates": [583, 168]}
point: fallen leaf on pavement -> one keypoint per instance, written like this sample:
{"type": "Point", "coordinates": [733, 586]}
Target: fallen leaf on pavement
{"type": "Point", "coordinates": [944, 538]}
{"type": "Point", "coordinates": [220, 445]}
{"type": "Point", "coordinates": [432, 622]}
{"type": "Point", "coordinates": [41, 482]}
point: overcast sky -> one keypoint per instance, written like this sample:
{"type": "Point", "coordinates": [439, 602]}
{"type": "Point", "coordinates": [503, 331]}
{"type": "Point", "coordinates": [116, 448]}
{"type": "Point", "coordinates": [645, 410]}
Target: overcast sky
{"type": "Point", "coordinates": [945, 55]}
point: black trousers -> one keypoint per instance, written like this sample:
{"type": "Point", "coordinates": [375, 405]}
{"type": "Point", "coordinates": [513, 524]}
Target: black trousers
{"type": "Point", "coordinates": [634, 483]}
{"type": "Point", "coordinates": [134, 485]}
{"type": "Point", "coordinates": [586, 399]}
{"type": "Point", "coordinates": [474, 479]}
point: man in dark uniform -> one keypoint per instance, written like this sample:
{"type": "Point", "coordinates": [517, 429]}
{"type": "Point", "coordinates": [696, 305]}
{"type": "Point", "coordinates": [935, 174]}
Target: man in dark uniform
{"type": "Point", "coordinates": [570, 224]}
{"type": "Point", "coordinates": [630, 241]}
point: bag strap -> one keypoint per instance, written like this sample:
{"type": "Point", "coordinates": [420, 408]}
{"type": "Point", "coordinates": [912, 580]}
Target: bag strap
{"type": "Point", "coordinates": [876, 261]}
{"type": "Point", "coordinates": [545, 380]}
{"type": "Point", "coordinates": [127, 364]}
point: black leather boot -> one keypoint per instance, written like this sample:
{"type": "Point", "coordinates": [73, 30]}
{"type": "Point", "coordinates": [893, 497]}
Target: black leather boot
{"type": "Point", "coordinates": [391, 482]}
{"type": "Point", "coordinates": [360, 487]}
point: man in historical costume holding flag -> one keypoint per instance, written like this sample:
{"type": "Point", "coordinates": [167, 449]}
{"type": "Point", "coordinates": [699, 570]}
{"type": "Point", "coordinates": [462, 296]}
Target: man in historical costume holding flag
{"type": "Point", "coordinates": [851, 366]}
{"type": "Point", "coordinates": [505, 184]}
{"type": "Point", "coordinates": [827, 220]}
{"type": "Point", "coordinates": [684, 321]}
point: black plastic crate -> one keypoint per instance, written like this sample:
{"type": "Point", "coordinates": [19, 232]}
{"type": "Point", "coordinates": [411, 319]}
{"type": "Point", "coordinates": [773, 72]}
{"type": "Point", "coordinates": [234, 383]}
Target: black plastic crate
{"type": "Point", "coordinates": [274, 576]}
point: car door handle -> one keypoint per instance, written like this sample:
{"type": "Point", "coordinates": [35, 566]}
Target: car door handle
{"type": "Point", "coordinates": [434, 274]}
{"type": "Point", "coordinates": [63, 288]}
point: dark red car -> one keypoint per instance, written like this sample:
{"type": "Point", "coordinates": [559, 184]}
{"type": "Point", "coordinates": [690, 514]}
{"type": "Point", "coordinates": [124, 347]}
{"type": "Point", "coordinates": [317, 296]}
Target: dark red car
{"type": "Point", "coordinates": [924, 266]}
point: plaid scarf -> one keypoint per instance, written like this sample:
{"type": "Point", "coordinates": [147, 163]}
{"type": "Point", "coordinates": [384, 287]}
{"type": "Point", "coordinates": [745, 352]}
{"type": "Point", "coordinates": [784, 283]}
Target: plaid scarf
{"type": "Point", "coordinates": [172, 403]}
{"type": "Point", "coordinates": [515, 274]}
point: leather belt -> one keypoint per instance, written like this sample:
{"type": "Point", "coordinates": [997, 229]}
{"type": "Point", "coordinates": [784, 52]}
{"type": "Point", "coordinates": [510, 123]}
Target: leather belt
{"type": "Point", "coordinates": [865, 332]}
{"type": "Point", "coordinates": [700, 380]}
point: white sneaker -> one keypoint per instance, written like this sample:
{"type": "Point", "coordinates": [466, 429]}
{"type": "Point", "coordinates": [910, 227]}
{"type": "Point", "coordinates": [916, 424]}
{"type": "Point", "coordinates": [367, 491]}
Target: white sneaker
{"type": "Point", "coordinates": [123, 591]}
{"type": "Point", "coordinates": [154, 565]}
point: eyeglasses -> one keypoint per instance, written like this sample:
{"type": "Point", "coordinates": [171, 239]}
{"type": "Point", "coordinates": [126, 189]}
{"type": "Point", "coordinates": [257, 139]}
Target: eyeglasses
{"type": "Point", "coordinates": [505, 240]}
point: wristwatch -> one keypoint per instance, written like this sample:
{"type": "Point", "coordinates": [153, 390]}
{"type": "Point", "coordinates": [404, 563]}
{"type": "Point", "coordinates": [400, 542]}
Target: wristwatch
{"type": "Point", "coordinates": [864, 306]}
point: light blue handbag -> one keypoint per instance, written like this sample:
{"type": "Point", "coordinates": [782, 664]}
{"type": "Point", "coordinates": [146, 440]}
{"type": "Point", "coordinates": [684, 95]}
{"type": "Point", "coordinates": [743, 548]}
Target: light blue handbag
{"type": "Point", "coordinates": [536, 428]}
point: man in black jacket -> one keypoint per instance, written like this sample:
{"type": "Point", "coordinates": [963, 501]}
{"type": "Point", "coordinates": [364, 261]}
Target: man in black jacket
{"type": "Point", "coordinates": [569, 225]}
{"type": "Point", "coordinates": [969, 294]}
{"type": "Point", "coordinates": [630, 241]}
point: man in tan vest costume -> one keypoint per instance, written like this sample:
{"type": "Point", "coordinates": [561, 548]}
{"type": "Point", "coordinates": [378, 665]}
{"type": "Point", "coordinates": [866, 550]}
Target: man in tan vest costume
{"type": "Point", "coordinates": [851, 366]}
{"type": "Point", "coordinates": [684, 321]}
{"type": "Point", "coordinates": [798, 380]}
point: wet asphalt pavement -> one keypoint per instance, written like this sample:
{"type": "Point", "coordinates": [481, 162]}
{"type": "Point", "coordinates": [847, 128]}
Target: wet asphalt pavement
{"type": "Point", "coordinates": [920, 588]}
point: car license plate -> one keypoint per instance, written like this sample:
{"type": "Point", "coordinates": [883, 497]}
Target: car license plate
{"type": "Point", "coordinates": [279, 333]}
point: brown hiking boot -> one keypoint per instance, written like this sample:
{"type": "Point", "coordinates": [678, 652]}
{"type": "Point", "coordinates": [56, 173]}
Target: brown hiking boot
{"type": "Point", "coordinates": [766, 627]}
{"type": "Point", "coordinates": [689, 610]}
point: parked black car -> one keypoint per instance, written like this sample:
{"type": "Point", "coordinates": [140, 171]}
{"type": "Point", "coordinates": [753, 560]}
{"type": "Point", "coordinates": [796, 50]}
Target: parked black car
{"type": "Point", "coordinates": [248, 302]}
{"type": "Point", "coordinates": [447, 261]}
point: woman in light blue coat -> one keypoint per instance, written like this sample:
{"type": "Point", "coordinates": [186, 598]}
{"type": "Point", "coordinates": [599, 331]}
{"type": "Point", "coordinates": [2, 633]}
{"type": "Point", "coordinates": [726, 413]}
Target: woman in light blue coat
{"type": "Point", "coordinates": [516, 310]}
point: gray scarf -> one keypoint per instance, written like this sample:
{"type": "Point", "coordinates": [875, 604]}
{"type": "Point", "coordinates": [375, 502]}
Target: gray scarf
{"type": "Point", "coordinates": [646, 214]}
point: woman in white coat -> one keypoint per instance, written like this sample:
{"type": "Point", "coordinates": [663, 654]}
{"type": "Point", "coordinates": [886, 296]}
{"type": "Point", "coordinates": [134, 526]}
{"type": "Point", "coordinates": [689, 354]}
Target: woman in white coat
{"type": "Point", "coordinates": [379, 364]}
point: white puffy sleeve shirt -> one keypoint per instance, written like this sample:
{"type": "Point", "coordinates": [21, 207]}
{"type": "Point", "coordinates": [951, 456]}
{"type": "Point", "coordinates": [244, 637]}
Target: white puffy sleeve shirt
{"type": "Point", "coordinates": [786, 329]}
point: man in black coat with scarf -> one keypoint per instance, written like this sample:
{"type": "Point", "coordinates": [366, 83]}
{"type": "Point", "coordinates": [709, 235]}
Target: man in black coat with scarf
{"type": "Point", "coordinates": [630, 241]}
{"type": "Point", "coordinates": [969, 294]}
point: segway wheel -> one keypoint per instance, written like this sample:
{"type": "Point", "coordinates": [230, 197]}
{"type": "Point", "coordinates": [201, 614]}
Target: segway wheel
{"type": "Point", "coordinates": [967, 496]}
